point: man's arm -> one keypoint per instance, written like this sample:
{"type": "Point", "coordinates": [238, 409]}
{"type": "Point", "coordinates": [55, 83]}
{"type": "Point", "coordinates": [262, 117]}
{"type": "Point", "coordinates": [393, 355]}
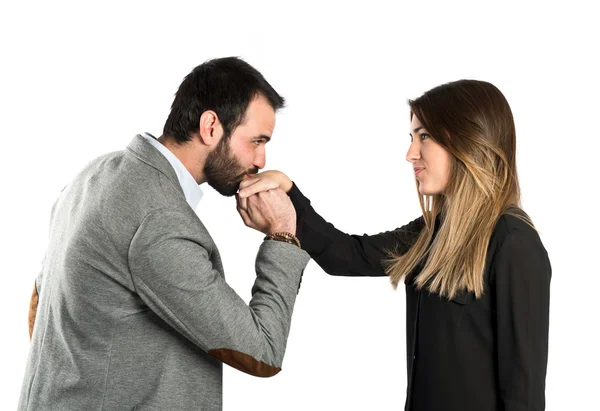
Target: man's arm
{"type": "Point", "coordinates": [172, 272]}
{"type": "Point", "coordinates": [35, 298]}
{"type": "Point", "coordinates": [33, 305]}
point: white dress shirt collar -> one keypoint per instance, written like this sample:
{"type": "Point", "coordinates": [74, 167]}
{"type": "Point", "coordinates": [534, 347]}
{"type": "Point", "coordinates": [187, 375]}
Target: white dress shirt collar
{"type": "Point", "coordinates": [191, 189]}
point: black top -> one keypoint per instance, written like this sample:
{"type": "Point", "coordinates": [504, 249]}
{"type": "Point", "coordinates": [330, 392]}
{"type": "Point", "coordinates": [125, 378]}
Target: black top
{"type": "Point", "coordinates": [481, 354]}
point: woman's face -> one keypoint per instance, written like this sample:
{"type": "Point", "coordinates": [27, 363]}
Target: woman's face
{"type": "Point", "coordinates": [431, 162]}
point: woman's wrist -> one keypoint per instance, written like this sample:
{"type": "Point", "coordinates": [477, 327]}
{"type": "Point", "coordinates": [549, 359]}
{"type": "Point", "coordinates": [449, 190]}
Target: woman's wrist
{"type": "Point", "coordinates": [286, 184]}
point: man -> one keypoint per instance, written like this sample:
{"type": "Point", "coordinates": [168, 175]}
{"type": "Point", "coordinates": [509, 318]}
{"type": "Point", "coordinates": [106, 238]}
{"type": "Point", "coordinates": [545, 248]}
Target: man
{"type": "Point", "coordinates": [134, 311]}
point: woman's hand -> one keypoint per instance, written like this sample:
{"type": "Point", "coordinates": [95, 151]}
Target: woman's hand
{"type": "Point", "coordinates": [264, 181]}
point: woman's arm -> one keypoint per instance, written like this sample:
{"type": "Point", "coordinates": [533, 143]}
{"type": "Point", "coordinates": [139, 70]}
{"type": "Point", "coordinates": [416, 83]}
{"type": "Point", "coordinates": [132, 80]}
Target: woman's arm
{"type": "Point", "coordinates": [520, 276]}
{"type": "Point", "coordinates": [336, 252]}
{"type": "Point", "coordinates": [339, 253]}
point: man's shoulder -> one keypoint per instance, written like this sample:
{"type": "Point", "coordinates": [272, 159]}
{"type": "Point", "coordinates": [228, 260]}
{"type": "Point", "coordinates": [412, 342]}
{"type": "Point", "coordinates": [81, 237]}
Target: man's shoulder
{"type": "Point", "coordinates": [122, 186]}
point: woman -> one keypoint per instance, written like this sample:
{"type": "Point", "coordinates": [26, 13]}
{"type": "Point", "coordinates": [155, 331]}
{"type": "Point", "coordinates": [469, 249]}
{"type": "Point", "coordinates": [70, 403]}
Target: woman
{"type": "Point", "coordinates": [477, 276]}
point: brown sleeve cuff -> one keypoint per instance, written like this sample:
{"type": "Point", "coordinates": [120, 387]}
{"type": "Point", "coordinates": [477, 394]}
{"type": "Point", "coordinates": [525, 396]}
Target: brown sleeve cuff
{"type": "Point", "coordinates": [244, 362]}
{"type": "Point", "coordinates": [33, 305]}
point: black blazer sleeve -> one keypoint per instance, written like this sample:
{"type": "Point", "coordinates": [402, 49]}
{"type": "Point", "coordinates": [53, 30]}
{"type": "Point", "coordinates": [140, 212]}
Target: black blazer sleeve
{"type": "Point", "coordinates": [343, 254]}
{"type": "Point", "coordinates": [520, 279]}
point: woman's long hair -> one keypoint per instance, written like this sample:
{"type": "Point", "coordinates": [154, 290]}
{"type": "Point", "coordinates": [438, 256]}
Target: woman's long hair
{"type": "Point", "coordinates": [473, 122]}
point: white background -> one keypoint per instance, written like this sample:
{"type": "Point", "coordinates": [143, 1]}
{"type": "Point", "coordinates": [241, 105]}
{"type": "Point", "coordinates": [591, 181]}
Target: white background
{"type": "Point", "coordinates": [79, 80]}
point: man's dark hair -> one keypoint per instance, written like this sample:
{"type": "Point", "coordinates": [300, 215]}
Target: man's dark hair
{"type": "Point", "coordinates": [226, 86]}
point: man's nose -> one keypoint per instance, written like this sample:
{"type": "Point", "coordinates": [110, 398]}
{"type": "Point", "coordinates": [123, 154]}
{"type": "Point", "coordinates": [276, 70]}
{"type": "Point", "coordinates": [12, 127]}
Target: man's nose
{"type": "Point", "coordinates": [260, 160]}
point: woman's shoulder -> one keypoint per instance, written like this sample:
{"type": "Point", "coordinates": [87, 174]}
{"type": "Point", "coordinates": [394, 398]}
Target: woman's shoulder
{"type": "Point", "coordinates": [515, 225]}
{"type": "Point", "coordinates": [514, 218]}
{"type": "Point", "coordinates": [516, 251]}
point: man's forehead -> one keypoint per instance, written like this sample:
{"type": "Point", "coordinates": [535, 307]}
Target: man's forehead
{"type": "Point", "coordinates": [260, 106]}
{"type": "Point", "coordinates": [260, 116]}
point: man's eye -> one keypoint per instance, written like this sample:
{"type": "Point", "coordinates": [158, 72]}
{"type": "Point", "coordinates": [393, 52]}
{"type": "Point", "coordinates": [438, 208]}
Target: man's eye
{"type": "Point", "coordinates": [257, 142]}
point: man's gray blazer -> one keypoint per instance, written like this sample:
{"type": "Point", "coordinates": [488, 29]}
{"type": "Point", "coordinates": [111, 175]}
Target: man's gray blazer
{"type": "Point", "coordinates": [134, 312]}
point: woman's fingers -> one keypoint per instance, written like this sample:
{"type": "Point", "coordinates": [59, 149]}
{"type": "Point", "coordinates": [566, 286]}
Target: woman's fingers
{"type": "Point", "coordinates": [248, 182]}
{"type": "Point", "coordinates": [260, 184]}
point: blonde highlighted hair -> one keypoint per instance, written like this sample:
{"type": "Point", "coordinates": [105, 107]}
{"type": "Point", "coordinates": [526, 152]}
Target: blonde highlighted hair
{"type": "Point", "coordinates": [472, 120]}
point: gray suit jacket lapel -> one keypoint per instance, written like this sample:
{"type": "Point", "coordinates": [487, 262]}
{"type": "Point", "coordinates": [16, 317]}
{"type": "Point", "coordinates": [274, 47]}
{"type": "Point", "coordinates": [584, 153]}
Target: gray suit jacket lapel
{"type": "Point", "coordinates": [145, 152]}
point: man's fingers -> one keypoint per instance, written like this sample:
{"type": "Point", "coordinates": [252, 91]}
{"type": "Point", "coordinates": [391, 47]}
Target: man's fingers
{"type": "Point", "coordinates": [241, 202]}
{"type": "Point", "coordinates": [242, 208]}
{"type": "Point", "coordinates": [245, 217]}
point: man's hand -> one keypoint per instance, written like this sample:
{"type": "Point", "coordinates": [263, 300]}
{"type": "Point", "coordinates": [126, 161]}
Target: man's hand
{"type": "Point", "coordinates": [266, 180]}
{"type": "Point", "coordinates": [268, 211]}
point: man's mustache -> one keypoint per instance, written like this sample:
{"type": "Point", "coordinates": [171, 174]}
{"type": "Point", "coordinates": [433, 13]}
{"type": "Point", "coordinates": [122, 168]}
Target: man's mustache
{"type": "Point", "coordinates": [250, 172]}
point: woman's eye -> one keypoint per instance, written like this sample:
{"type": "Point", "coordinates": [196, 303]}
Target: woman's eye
{"type": "Point", "coordinates": [424, 136]}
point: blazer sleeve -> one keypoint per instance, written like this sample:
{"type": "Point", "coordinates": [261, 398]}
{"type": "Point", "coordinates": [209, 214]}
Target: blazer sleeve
{"type": "Point", "coordinates": [520, 275]}
{"type": "Point", "coordinates": [343, 254]}
{"type": "Point", "coordinates": [33, 306]}
{"type": "Point", "coordinates": [173, 274]}
{"type": "Point", "coordinates": [35, 300]}
{"type": "Point", "coordinates": [37, 285]}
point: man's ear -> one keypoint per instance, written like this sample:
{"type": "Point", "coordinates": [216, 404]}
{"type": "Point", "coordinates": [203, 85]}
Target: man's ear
{"type": "Point", "coordinates": [210, 128]}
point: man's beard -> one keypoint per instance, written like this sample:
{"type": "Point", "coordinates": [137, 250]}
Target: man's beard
{"type": "Point", "coordinates": [223, 171]}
